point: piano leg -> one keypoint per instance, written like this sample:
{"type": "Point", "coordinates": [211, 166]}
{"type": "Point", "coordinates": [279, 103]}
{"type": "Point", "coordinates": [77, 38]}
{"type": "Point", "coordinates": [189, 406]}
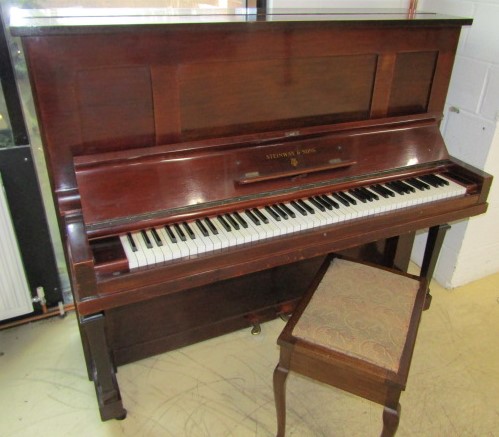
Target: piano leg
{"type": "Point", "coordinates": [86, 349]}
{"type": "Point", "coordinates": [397, 253]}
{"type": "Point", "coordinates": [393, 252]}
{"type": "Point", "coordinates": [102, 369]}
{"type": "Point", "coordinates": [436, 236]}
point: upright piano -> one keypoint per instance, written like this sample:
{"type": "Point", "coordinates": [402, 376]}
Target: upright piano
{"type": "Point", "coordinates": [204, 164]}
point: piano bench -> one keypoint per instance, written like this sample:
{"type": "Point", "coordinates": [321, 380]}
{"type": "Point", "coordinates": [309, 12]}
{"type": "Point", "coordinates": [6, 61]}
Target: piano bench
{"type": "Point", "coordinates": [356, 331]}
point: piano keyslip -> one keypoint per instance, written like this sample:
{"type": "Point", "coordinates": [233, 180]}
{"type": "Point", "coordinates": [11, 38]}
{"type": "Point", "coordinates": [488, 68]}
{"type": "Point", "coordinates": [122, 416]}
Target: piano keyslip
{"type": "Point", "coordinates": [143, 249]}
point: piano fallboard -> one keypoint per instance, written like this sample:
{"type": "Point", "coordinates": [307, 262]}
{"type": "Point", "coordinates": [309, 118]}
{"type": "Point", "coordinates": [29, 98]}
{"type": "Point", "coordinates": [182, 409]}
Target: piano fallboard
{"type": "Point", "coordinates": [172, 182]}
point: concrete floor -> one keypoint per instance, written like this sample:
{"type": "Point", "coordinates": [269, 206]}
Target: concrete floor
{"type": "Point", "coordinates": [223, 387]}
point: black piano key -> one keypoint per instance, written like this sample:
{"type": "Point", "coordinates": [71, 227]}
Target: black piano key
{"type": "Point", "coordinates": [388, 190]}
{"type": "Point", "coordinates": [330, 201]}
{"type": "Point", "coordinates": [272, 213]}
{"type": "Point", "coordinates": [429, 180]}
{"type": "Point", "coordinates": [146, 239]}
{"type": "Point", "coordinates": [157, 238]}
{"type": "Point", "coordinates": [180, 233]}
{"type": "Point", "coordinates": [318, 205]}
{"type": "Point", "coordinates": [373, 195]}
{"type": "Point", "coordinates": [307, 207]}
{"type": "Point", "coordinates": [299, 208]}
{"type": "Point", "coordinates": [224, 223]}
{"type": "Point", "coordinates": [202, 228]}
{"type": "Point", "coordinates": [379, 189]}
{"type": "Point", "coordinates": [260, 215]}
{"type": "Point", "coordinates": [280, 211]}
{"type": "Point", "coordinates": [189, 231]}
{"type": "Point", "coordinates": [360, 191]}
{"type": "Point", "coordinates": [441, 180]}
{"type": "Point", "coordinates": [325, 204]}
{"type": "Point", "coordinates": [357, 195]}
{"type": "Point", "coordinates": [170, 234]}
{"type": "Point", "coordinates": [364, 193]}
{"type": "Point", "coordinates": [241, 221]}
{"type": "Point", "coordinates": [402, 186]}
{"type": "Point", "coordinates": [434, 180]}
{"type": "Point", "coordinates": [408, 188]}
{"type": "Point", "coordinates": [347, 197]}
{"type": "Point", "coordinates": [211, 226]}
{"type": "Point", "coordinates": [252, 217]}
{"type": "Point", "coordinates": [396, 187]}
{"type": "Point", "coordinates": [427, 186]}
{"type": "Point", "coordinates": [421, 186]}
{"type": "Point", "coordinates": [341, 199]}
{"type": "Point", "coordinates": [384, 191]}
{"type": "Point", "coordinates": [232, 222]}
{"type": "Point", "coordinates": [287, 210]}
{"type": "Point", "coordinates": [131, 241]}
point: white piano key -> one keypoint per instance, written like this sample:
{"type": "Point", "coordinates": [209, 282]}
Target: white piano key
{"type": "Point", "coordinates": [173, 248]}
{"type": "Point", "coordinates": [166, 251]}
{"type": "Point", "coordinates": [203, 243]}
{"type": "Point", "coordinates": [133, 262]}
{"type": "Point", "coordinates": [145, 256]}
{"type": "Point", "coordinates": [158, 253]}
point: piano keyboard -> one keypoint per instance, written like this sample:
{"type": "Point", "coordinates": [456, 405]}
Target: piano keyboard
{"type": "Point", "coordinates": [160, 244]}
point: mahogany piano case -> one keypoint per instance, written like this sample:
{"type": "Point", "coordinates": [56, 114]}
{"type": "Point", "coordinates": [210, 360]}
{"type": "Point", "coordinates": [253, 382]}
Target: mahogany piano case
{"type": "Point", "coordinates": [173, 139]}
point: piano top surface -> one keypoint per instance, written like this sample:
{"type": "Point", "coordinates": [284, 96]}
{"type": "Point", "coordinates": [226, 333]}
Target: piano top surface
{"type": "Point", "coordinates": [25, 22]}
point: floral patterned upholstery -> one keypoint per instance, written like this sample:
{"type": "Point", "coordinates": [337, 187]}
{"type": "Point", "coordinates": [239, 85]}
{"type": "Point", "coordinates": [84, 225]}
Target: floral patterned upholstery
{"type": "Point", "coordinates": [361, 311]}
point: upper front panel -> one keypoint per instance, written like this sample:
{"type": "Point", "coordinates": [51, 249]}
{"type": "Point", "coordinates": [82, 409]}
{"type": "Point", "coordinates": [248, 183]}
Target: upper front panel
{"type": "Point", "coordinates": [101, 92]}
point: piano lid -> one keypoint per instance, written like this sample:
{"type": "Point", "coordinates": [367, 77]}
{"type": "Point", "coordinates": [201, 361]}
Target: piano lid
{"type": "Point", "coordinates": [62, 20]}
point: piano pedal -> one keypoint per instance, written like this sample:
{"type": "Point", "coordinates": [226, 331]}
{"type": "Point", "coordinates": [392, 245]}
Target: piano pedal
{"type": "Point", "coordinates": [257, 329]}
{"type": "Point", "coordinates": [285, 317]}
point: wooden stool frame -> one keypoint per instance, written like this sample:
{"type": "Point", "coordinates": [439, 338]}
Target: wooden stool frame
{"type": "Point", "coordinates": [342, 371]}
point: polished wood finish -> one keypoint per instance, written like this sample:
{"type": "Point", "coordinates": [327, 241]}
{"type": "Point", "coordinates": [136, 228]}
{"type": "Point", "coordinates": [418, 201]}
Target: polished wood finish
{"type": "Point", "coordinates": [151, 123]}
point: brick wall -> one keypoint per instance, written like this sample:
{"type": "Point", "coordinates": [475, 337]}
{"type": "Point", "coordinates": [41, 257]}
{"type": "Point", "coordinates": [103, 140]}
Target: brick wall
{"type": "Point", "coordinates": [471, 248]}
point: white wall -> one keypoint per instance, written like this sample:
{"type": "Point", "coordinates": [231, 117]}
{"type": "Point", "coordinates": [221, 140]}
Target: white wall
{"type": "Point", "coordinates": [471, 248]}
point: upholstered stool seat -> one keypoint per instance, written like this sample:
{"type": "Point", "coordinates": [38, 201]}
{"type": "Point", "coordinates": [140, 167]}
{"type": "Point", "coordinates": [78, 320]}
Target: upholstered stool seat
{"type": "Point", "coordinates": [356, 331]}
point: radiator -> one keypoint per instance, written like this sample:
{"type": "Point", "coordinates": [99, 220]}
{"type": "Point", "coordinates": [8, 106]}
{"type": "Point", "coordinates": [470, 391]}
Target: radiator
{"type": "Point", "coordinates": [15, 297]}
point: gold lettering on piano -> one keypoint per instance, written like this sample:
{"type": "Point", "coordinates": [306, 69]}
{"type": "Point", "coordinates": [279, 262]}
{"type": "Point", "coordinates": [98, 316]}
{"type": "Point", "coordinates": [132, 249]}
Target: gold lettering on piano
{"type": "Point", "coordinates": [291, 153]}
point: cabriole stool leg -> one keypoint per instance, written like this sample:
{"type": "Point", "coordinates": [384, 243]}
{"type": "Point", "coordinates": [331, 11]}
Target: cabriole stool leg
{"type": "Point", "coordinates": [280, 375]}
{"type": "Point", "coordinates": [391, 418]}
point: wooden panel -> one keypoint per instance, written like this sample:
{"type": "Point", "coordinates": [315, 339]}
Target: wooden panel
{"type": "Point", "coordinates": [178, 319]}
{"type": "Point", "coordinates": [382, 86]}
{"type": "Point", "coordinates": [222, 98]}
{"type": "Point", "coordinates": [115, 107]}
{"type": "Point", "coordinates": [412, 83]}
{"type": "Point", "coordinates": [166, 103]}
